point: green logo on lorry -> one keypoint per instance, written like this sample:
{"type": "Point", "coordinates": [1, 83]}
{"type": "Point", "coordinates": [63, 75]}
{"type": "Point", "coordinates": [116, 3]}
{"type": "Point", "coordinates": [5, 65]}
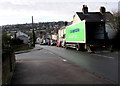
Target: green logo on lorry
{"type": "Point", "coordinates": [76, 33]}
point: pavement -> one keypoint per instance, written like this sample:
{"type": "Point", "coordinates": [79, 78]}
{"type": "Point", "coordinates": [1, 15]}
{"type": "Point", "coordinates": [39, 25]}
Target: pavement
{"type": "Point", "coordinates": [53, 71]}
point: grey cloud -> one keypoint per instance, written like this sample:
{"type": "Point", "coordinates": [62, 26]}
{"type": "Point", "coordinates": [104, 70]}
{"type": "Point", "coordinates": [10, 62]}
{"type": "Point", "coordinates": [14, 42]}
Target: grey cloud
{"type": "Point", "coordinates": [59, 7]}
{"type": "Point", "coordinates": [48, 6]}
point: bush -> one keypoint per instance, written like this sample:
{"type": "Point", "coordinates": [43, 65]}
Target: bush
{"type": "Point", "coordinates": [16, 41]}
{"type": "Point", "coordinates": [8, 59]}
{"type": "Point", "coordinates": [116, 41]}
{"type": "Point", "coordinates": [21, 47]}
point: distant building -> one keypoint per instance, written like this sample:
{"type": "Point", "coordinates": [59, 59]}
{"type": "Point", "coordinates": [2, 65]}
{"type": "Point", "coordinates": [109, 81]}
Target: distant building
{"type": "Point", "coordinates": [54, 37]}
{"type": "Point", "coordinates": [45, 38]}
{"type": "Point", "coordinates": [62, 31]}
{"type": "Point", "coordinates": [38, 40]}
{"type": "Point", "coordinates": [61, 34]}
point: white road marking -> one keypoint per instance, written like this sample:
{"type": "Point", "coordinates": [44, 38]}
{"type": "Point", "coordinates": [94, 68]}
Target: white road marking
{"type": "Point", "coordinates": [104, 56]}
{"type": "Point", "coordinates": [64, 60]}
{"type": "Point", "coordinates": [59, 57]}
{"type": "Point", "coordinates": [45, 52]}
{"type": "Point", "coordinates": [49, 52]}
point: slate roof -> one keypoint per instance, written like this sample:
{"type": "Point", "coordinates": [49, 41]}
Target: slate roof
{"type": "Point", "coordinates": [95, 16]}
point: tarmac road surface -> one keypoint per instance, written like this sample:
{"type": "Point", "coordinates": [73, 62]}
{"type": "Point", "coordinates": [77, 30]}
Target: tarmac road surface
{"type": "Point", "coordinates": [103, 63]}
{"type": "Point", "coordinates": [45, 67]}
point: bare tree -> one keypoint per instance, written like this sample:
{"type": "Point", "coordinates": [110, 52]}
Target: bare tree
{"type": "Point", "coordinates": [116, 24]}
{"type": "Point", "coordinates": [116, 19]}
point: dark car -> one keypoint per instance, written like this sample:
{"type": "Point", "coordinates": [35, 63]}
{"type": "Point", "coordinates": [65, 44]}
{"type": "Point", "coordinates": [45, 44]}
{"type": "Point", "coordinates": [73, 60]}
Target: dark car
{"type": "Point", "coordinates": [46, 43]}
{"type": "Point", "coordinates": [53, 42]}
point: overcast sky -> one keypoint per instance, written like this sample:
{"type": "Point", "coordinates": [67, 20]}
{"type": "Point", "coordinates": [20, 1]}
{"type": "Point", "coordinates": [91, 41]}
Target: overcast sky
{"type": "Point", "coordinates": [20, 11]}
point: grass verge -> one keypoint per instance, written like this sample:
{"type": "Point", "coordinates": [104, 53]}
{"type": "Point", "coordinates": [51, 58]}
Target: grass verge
{"type": "Point", "coordinates": [22, 47]}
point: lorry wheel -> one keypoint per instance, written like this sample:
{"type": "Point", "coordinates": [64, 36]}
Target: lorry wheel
{"type": "Point", "coordinates": [77, 47]}
{"type": "Point", "coordinates": [65, 47]}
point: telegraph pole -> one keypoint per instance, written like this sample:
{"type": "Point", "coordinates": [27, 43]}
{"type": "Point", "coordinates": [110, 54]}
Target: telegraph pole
{"type": "Point", "coordinates": [33, 33]}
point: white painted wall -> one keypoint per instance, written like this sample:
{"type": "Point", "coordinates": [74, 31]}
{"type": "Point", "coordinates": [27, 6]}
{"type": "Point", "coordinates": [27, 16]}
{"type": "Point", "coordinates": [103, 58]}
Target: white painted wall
{"type": "Point", "coordinates": [54, 37]}
{"type": "Point", "coordinates": [61, 32]}
{"type": "Point", "coordinates": [76, 19]}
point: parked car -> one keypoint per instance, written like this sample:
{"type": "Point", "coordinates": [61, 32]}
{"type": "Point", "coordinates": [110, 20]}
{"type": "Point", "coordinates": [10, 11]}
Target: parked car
{"type": "Point", "coordinates": [59, 44]}
{"type": "Point", "coordinates": [46, 43]}
{"type": "Point", "coordinates": [53, 42]}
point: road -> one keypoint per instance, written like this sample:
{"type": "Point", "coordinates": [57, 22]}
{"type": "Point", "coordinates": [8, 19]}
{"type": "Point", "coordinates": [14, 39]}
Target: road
{"type": "Point", "coordinates": [56, 65]}
{"type": "Point", "coordinates": [104, 64]}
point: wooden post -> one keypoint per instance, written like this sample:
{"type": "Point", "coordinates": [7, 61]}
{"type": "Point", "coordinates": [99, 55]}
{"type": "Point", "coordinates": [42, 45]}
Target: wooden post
{"type": "Point", "coordinates": [33, 33]}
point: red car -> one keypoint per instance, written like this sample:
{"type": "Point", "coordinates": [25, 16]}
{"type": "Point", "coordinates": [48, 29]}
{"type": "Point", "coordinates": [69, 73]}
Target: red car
{"type": "Point", "coordinates": [59, 44]}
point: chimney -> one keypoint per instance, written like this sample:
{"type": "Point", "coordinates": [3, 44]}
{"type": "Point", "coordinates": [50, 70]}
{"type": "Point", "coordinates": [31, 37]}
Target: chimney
{"type": "Point", "coordinates": [73, 16]}
{"type": "Point", "coordinates": [85, 9]}
{"type": "Point", "coordinates": [102, 9]}
{"type": "Point", "coordinates": [66, 23]}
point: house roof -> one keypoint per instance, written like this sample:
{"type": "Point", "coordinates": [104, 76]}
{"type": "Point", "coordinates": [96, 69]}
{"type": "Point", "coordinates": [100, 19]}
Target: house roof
{"type": "Point", "coordinates": [94, 16]}
{"type": "Point", "coordinates": [23, 36]}
{"type": "Point", "coordinates": [63, 27]}
{"type": "Point", "coordinates": [19, 33]}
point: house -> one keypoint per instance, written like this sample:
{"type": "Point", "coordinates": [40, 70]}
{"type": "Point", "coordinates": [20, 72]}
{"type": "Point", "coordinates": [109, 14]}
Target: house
{"type": "Point", "coordinates": [101, 16]}
{"type": "Point", "coordinates": [23, 37]}
{"type": "Point", "coordinates": [45, 38]}
{"type": "Point", "coordinates": [61, 34]}
{"type": "Point", "coordinates": [54, 36]}
{"type": "Point", "coordinates": [38, 40]}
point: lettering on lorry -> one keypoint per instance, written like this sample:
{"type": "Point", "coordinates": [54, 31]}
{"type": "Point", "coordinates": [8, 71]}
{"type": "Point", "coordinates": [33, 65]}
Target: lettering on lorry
{"type": "Point", "coordinates": [72, 36]}
{"type": "Point", "coordinates": [75, 30]}
{"type": "Point", "coordinates": [76, 33]}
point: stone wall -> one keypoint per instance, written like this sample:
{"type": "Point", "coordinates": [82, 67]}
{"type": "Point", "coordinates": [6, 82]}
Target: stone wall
{"type": "Point", "coordinates": [8, 64]}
